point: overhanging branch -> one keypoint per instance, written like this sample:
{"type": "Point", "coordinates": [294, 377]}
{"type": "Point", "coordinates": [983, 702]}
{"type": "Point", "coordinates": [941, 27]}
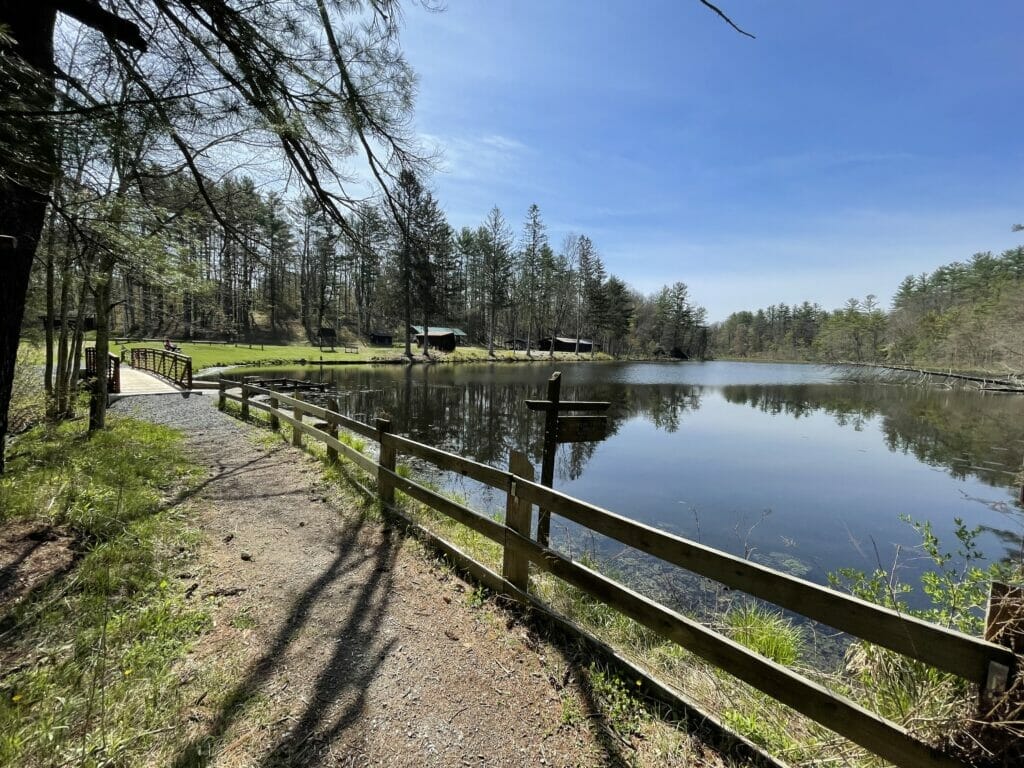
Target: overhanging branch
{"type": "Point", "coordinates": [725, 18]}
{"type": "Point", "coordinates": [92, 15]}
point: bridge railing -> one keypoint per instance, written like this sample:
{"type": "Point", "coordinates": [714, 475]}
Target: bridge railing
{"type": "Point", "coordinates": [992, 667]}
{"type": "Point", "coordinates": [172, 366]}
{"type": "Point", "coordinates": [113, 369]}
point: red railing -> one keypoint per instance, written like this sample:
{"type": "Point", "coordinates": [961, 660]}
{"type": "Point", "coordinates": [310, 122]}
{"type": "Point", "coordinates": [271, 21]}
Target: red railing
{"type": "Point", "coordinates": [113, 369]}
{"type": "Point", "coordinates": [169, 365]}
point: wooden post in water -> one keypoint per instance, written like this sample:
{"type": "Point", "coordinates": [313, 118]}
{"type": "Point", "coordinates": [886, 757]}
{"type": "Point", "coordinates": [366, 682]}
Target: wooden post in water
{"type": "Point", "coordinates": [222, 386]}
{"type": "Point", "coordinates": [386, 461]}
{"type": "Point", "coordinates": [275, 423]}
{"type": "Point", "coordinates": [245, 401]}
{"type": "Point", "coordinates": [332, 428]}
{"type": "Point", "coordinates": [547, 470]}
{"type": "Point", "coordinates": [297, 428]}
{"type": "Point", "coordinates": [515, 566]}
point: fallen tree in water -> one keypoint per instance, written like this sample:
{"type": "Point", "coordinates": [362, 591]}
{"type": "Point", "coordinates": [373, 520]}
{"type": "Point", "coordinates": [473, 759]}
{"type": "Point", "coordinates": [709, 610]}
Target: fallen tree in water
{"type": "Point", "coordinates": [1012, 384]}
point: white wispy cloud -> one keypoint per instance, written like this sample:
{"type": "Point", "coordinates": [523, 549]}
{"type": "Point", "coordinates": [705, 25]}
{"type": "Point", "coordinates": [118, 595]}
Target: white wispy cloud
{"type": "Point", "coordinates": [480, 158]}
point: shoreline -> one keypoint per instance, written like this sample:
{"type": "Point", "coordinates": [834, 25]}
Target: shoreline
{"type": "Point", "coordinates": [421, 360]}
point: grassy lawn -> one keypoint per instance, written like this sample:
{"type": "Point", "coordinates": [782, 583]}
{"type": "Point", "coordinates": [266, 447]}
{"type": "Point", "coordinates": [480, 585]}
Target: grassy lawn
{"type": "Point", "coordinates": [92, 640]}
{"type": "Point", "coordinates": [211, 355]}
{"type": "Point", "coordinates": [215, 355]}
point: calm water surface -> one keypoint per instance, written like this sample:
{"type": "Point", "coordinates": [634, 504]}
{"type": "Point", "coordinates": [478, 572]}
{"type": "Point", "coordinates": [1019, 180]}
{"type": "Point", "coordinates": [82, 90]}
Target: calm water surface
{"type": "Point", "coordinates": [789, 465]}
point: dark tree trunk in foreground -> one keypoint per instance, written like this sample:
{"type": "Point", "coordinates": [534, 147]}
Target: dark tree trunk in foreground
{"type": "Point", "coordinates": [98, 397]}
{"type": "Point", "coordinates": [25, 179]}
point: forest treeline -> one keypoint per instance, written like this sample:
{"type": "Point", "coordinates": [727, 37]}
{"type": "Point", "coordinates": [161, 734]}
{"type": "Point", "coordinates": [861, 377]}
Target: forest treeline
{"type": "Point", "coordinates": [966, 315]}
{"type": "Point", "coordinates": [258, 265]}
{"type": "Point", "coordinates": [254, 174]}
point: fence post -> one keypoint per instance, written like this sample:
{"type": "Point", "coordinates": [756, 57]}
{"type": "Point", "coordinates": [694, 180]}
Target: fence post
{"type": "Point", "coordinates": [547, 470]}
{"type": "Point", "coordinates": [386, 461]}
{"type": "Point", "coordinates": [332, 429]}
{"type": "Point", "coordinates": [1004, 624]}
{"type": "Point", "coordinates": [245, 401]}
{"type": "Point", "coordinates": [515, 567]}
{"type": "Point", "coordinates": [297, 428]}
{"type": "Point", "coordinates": [275, 423]}
{"type": "Point", "coordinates": [222, 386]}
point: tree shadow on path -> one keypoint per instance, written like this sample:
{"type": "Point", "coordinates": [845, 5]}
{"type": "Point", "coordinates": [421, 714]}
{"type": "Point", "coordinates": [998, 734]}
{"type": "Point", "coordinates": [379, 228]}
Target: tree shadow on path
{"type": "Point", "coordinates": [358, 653]}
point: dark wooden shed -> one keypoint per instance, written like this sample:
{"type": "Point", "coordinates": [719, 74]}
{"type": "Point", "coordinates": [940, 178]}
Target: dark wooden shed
{"type": "Point", "coordinates": [442, 339]}
{"type": "Point", "coordinates": [439, 337]}
{"type": "Point", "coordinates": [326, 337]}
{"type": "Point", "coordinates": [381, 338]}
{"type": "Point", "coordinates": [564, 344]}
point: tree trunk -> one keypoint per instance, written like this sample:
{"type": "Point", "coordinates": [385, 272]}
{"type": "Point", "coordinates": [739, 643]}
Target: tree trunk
{"type": "Point", "coordinates": [61, 386]}
{"type": "Point", "coordinates": [23, 190]}
{"type": "Point", "coordinates": [49, 322]}
{"type": "Point", "coordinates": [98, 400]}
{"type": "Point", "coordinates": [490, 329]}
{"type": "Point", "coordinates": [407, 299]}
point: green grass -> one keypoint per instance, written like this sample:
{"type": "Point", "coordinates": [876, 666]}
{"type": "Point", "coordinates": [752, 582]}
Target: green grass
{"type": "Point", "coordinates": [28, 398]}
{"type": "Point", "coordinates": [244, 620]}
{"type": "Point", "coordinates": [216, 355]}
{"type": "Point", "coordinates": [623, 709]}
{"type": "Point", "coordinates": [211, 355]}
{"type": "Point", "coordinates": [765, 632]}
{"type": "Point", "coordinates": [92, 652]}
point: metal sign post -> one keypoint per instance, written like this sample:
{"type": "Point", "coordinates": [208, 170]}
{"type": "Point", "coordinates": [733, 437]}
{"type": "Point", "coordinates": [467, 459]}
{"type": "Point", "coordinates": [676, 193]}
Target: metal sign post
{"type": "Point", "coordinates": [563, 429]}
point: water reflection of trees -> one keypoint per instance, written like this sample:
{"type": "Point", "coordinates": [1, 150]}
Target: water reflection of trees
{"type": "Point", "coordinates": [480, 412]}
{"type": "Point", "coordinates": [967, 433]}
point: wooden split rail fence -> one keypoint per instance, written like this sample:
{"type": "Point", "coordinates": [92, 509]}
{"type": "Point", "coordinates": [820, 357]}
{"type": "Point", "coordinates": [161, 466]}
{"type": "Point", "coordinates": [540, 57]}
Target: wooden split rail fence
{"type": "Point", "coordinates": [991, 666]}
{"type": "Point", "coordinates": [172, 366]}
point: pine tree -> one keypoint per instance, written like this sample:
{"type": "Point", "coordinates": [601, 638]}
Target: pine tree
{"type": "Point", "coordinates": [496, 264]}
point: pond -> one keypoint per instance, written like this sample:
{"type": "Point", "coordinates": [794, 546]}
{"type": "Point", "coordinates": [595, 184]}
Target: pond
{"type": "Point", "coordinates": [793, 466]}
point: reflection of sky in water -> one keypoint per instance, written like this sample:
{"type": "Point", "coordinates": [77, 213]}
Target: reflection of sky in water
{"type": "Point", "coordinates": [834, 493]}
{"type": "Point", "coordinates": [700, 374]}
{"type": "Point", "coordinates": [704, 450]}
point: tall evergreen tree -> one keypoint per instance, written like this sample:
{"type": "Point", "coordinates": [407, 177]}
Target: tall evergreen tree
{"type": "Point", "coordinates": [496, 251]}
{"type": "Point", "coordinates": [531, 269]}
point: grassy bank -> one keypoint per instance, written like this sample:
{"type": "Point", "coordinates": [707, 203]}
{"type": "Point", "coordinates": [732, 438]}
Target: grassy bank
{"type": "Point", "coordinates": [90, 645]}
{"type": "Point", "coordinates": [218, 355]}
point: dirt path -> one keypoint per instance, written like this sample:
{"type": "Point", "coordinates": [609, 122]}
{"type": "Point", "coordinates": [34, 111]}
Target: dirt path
{"type": "Point", "coordinates": [356, 648]}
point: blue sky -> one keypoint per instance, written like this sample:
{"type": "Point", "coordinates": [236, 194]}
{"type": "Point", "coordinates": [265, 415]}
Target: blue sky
{"type": "Point", "coordinates": [850, 144]}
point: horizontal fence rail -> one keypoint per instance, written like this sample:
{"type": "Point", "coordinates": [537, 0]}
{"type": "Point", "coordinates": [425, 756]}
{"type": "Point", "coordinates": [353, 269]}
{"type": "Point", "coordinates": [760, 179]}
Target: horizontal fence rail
{"type": "Point", "coordinates": [946, 649]}
{"type": "Point", "coordinates": [113, 369]}
{"type": "Point", "coordinates": [988, 664]}
{"type": "Point", "coordinates": [172, 366]}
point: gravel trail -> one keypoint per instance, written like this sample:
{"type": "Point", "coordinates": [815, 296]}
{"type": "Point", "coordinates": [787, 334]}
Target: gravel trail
{"type": "Point", "coordinates": [360, 649]}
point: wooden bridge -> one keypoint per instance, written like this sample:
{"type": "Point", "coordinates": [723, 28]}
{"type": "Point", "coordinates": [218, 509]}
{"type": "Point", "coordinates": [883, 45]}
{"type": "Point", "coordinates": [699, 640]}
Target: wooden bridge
{"type": "Point", "coordinates": [151, 372]}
